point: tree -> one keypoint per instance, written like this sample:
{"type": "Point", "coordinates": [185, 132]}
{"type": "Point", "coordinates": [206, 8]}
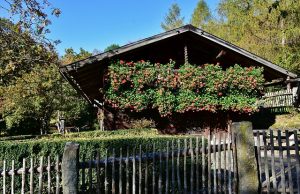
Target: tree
{"type": "Point", "coordinates": [201, 14]}
{"type": "Point", "coordinates": [31, 16]}
{"type": "Point", "coordinates": [24, 49]}
{"type": "Point", "coordinates": [270, 29]}
{"type": "Point", "coordinates": [34, 98]}
{"type": "Point", "coordinates": [71, 56]}
{"type": "Point", "coordinates": [23, 41]}
{"type": "Point", "coordinates": [76, 110]}
{"type": "Point", "coordinates": [21, 59]}
{"type": "Point", "coordinates": [173, 19]}
{"type": "Point", "coordinates": [31, 88]}
{"type": "Point", "coordinates": [111, 47]}
{"type": "Point", "coordinates": [19, 53]}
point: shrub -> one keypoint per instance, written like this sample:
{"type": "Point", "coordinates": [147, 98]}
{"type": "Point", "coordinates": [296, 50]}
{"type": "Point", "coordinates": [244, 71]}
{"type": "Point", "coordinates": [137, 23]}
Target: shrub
{"type": "Point", "coordinates": [89, 142]}
{"type": "Point", "coordinates": [142, 123]}
{"type": "Point", "coordinates": [142, 85]}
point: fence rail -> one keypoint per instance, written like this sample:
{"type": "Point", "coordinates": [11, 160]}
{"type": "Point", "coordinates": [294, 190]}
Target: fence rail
{"type": "Point", "coordinates": [283, 98]}
{"type": "Point", "coordinates": [147, 156]}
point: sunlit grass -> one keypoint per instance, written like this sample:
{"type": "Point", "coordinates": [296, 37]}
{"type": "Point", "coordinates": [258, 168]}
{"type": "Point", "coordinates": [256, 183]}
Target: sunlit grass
{"type": "Point", "coordinates": [287, 121]}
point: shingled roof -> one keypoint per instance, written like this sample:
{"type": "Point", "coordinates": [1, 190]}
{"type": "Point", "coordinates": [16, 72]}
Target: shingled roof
{"type": "Point", "coordinates": [85, 75]}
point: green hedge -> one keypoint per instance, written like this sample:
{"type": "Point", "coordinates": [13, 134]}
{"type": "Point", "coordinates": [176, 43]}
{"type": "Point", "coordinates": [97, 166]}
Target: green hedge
{"type": "Point", "coordinates": [53, 145]}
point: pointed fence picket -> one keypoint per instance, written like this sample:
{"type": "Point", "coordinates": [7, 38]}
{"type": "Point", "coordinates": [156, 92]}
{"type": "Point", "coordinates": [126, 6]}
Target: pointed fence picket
{"type": "Point", "coordinates": [32, 179]}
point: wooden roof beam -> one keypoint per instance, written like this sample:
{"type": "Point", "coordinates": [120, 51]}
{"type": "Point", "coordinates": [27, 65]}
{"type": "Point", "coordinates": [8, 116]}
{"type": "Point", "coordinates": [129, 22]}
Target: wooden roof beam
{"type": "Point", "coordinates": [274, 82]}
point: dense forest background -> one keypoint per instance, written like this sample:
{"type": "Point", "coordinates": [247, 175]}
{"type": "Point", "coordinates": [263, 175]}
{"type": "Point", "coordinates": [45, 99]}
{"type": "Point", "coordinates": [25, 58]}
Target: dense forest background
{"type": "Point", "coordinates": [32, 91]}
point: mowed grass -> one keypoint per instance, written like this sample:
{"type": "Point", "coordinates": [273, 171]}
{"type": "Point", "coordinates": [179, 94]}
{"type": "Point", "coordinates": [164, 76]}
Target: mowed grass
{"type": "Point", "coordinates": [288, 121]}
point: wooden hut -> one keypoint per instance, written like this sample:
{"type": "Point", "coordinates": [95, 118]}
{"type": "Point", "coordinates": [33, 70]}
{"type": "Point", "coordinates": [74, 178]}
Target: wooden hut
{"type": "Point", "coordinates": [184, 44]}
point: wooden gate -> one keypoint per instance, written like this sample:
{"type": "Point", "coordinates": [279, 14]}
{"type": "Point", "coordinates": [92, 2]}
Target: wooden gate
{"type": "Point", "coordinates": [278, 161]}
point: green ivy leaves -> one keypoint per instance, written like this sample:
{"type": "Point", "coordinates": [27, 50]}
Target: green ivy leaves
{"type": "Point", "coordinates": [141, 85]}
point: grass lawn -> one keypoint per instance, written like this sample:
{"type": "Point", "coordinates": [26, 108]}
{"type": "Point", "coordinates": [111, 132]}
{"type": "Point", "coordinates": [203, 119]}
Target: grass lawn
{"type": "Point", "coordinates": [288, 121]}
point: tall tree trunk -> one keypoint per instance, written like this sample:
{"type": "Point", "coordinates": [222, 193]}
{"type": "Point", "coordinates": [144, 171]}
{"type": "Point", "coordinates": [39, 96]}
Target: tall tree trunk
{"type": "Point", "coordinates": [283, 38]}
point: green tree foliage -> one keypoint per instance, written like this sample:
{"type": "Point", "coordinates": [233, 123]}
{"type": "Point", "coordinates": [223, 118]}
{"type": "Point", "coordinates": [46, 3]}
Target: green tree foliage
{"type": "Point", "coordinates": [20, 53]}
{"type": "Point", "coordinates": [23, 65]}
{"type": "Point", "coordinates": [31, 16]}
{"type": "Point", "coordinates": [173, 19]}
{"type": "Point", "coordinates": [270, 29]}
{"type": "Point", "coordinates": [111, 47]}
{"type": "Point", "coordinates": [201, 14]}
{"type": "Point", "coordinates": [31, 87]}
{"type": "Point", "coordinates": [35, 97]}
{"type": "Point", "coordinates": [74, 107]}
{"type": "Point", "coordinates": [71, 56]}
{"type": "Point", "coordinates": [23, 44]}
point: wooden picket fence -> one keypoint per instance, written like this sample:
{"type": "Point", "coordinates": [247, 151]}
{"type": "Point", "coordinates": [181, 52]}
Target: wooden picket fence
{"type": "Point", "coordinates": [278, 161]}
{"type": "Point", "coordinates": [282, 98]}
{"type": "Point", "coordinates": [44, 177]}
{"type": "Point", "coordinates": [187, 167]}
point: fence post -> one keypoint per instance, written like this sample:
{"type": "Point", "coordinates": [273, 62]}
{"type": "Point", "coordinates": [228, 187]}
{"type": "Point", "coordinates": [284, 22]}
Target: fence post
{"type": "Point", "coordinates": [70, 170]}
{"type": "Point", "coordinates": [246, 160]}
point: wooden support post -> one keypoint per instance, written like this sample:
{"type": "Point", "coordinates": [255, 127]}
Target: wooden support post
{"type": "Point", "coordinates": [100, 116]}
{"type": "Point", "coordinates": [246, 161]}
{"type": "Point", "coordinates": [288, 86]}
{"type": "Point", "coordinates": [70, 170]}
{"type": "Point", "coordinates": [186, 55]}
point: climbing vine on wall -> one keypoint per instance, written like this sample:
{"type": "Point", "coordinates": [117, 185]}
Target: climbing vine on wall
{"type": "Point", "coordinates": [141, 85]}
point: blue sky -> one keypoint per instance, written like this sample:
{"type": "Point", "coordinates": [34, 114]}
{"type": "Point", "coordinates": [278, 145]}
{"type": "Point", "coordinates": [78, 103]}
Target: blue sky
{"type": "Point", "coordinates": [95, 24]}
